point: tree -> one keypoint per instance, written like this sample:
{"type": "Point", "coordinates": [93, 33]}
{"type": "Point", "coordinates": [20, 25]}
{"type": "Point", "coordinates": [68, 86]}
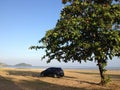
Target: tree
{"type": "Point", "coordinates": [88, 30]}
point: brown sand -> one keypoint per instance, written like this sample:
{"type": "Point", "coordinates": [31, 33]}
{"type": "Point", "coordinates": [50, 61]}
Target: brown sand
{"type": "Point", "coordinates": [28, 79]}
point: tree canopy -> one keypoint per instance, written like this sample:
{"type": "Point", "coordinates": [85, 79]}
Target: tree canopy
{"type": "Point", "coordinates": [86, 30]}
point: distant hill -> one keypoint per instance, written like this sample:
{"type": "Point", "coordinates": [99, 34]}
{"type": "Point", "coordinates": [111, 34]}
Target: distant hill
{"type": "Point", "coordinates": [3, 65]}
{"type": "Point", "coordinates": [23, 65]}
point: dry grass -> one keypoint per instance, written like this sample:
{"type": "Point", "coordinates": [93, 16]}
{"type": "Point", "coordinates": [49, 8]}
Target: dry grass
{"type": "Point", "coordinates": [28, 79]}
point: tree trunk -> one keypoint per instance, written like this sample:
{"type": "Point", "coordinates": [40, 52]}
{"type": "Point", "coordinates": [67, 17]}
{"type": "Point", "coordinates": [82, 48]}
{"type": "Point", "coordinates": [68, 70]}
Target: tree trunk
{"type": "Point", "coordinates": [102, 73]}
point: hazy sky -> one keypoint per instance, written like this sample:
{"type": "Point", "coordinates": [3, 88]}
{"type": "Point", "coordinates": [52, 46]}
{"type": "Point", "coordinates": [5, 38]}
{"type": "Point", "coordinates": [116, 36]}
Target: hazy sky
{"type": "Point", "coordinates": [22, 24]}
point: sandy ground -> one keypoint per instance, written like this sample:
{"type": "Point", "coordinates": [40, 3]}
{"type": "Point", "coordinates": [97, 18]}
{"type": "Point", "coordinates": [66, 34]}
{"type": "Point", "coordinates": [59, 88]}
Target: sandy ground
{"type": "Point", "coordinates": [28, 79]}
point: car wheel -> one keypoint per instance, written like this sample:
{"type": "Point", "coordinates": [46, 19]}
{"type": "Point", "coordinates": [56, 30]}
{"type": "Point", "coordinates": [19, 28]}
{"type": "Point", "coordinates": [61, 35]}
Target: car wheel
{"type": "Point", "coordinates": [55, 76]}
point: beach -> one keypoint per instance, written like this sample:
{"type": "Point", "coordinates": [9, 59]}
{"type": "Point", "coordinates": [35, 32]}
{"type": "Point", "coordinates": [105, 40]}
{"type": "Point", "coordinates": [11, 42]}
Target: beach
{"type": "Point", "coordinates": [74, 79]}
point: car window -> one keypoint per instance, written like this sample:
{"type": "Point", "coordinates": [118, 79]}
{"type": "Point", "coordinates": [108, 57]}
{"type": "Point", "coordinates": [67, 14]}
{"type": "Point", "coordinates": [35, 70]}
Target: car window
{"type": "Point", "coordinates": [48, 69]}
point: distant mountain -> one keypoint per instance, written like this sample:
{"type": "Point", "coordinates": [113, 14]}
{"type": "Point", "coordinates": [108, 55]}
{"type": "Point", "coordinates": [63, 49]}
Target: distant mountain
{"type": "Point", "coordinates": [3, 65]}
{"type": "Point", "coordinates": [23, 65]}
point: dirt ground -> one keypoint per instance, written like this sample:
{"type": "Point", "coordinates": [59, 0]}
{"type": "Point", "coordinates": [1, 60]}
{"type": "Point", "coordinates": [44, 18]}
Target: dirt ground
{"type": "Point", "coordinates": [28, 79]}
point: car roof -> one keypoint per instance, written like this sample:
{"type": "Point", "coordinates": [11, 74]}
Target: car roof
{"type": "Point", "coordinates": [54, 68]}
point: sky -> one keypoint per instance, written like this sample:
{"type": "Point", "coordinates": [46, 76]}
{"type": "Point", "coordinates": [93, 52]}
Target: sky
{"type": "Point", "coordinates": [22, 24]}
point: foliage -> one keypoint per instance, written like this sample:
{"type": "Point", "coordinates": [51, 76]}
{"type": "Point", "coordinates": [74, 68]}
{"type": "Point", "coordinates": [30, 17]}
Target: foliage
{"type": "Point", "coordinates": [86, 30]}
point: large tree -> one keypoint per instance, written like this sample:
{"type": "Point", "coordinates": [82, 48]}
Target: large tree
{"type": "Point", "coordinates": [88, 30]}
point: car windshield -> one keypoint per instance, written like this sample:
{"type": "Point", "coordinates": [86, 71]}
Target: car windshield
{"type": "Point", "coordinates": [58, 69]}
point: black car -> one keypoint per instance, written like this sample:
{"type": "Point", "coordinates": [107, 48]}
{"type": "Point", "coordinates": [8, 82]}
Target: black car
{"type": "Point", "coordinates": [52, 72]}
